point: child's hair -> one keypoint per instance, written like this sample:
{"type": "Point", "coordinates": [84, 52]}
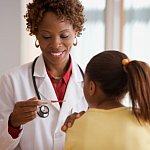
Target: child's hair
{"type": "Point", "coordinates": [116, 79]}
{"type": "Point", "coordinates": [72, 10]}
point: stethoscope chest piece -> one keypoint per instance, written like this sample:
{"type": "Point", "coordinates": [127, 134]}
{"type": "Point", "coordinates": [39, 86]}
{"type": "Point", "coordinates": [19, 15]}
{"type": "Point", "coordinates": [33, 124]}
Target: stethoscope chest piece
{"type": "Point", "coordinates": [43, 111]}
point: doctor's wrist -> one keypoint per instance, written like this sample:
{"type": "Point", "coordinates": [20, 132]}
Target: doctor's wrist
{"type": "Point", "coordinates": [13, 131]}
{"type": "Point", "coordinates": [11, 124]}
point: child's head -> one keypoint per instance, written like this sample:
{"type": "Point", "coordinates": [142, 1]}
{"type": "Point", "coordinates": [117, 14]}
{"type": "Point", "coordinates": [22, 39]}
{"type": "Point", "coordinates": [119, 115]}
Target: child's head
{"type": "Point", "coordinates": [107, 72]}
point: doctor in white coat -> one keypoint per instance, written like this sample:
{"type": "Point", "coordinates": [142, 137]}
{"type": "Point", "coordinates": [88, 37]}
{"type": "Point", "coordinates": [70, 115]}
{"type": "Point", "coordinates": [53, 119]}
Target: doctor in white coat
{"type": "Point", "coordinates": [56, 77]}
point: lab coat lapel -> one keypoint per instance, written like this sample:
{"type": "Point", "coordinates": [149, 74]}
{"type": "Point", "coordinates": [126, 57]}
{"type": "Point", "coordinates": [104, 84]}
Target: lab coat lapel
{"type": "Point", "coordinates": [74, 90]}
{"type": "Point", "coordinates": [73, 96]}
{"type": "Point", "coordinates": [45, 87]}
{"type": "Point", "coordinates": [47, 91]}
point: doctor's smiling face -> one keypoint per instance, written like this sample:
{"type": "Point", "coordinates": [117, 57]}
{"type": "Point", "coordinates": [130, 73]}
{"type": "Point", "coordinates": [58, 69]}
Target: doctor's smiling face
{"type": "Point", "coordinates": [56, 37]}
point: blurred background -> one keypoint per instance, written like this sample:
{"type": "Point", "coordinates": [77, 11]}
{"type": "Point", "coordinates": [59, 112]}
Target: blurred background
{"type": "Point", "coordinates": [122, 25]}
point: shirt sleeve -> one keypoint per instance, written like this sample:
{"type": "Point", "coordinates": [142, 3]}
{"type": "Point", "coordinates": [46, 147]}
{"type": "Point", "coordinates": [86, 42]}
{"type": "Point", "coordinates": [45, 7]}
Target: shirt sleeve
{"type": "Point", "coordinates": [14, 132]}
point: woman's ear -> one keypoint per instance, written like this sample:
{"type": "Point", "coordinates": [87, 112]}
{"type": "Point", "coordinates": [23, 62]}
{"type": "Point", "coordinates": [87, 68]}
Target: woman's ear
{"type": "Point", "coordinates": [37, 42]}
{"type": "Point", "coordinates": [92, 88]}
{"type": "Point", "coordinates": [36, 36]}
{"type": "Point", "coordinates": [76, 32]}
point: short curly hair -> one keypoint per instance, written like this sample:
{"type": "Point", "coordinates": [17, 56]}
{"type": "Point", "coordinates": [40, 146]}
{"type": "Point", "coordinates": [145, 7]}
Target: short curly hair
{"type": "Point", "coordinates": [72, 10]}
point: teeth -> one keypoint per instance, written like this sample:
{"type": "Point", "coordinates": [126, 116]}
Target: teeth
{"type": "Point", "coordinates": [57, 54]}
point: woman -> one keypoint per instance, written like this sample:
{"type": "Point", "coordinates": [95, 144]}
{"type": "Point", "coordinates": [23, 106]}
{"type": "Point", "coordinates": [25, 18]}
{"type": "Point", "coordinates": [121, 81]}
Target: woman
{"type": "Point", "coordinates": [108, 125]}
{"type": "Point", "coordinates": [27, 123]}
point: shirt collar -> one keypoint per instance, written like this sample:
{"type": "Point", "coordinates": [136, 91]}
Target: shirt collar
{"type": "Point", "coordinates": [67, 75]}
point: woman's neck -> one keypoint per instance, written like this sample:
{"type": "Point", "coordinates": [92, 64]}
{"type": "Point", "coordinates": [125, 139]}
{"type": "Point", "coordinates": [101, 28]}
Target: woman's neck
{"type": "Point", "coordinates": [58, 70]}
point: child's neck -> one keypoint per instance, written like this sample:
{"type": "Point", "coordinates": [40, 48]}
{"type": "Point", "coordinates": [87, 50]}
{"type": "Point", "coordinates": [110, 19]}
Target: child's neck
{"type": "Point", "coordinates": [109, 105]}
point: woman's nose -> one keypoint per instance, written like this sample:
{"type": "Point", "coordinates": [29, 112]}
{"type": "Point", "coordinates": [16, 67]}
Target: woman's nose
{"type": "Point", "coordinates": [56, 43]}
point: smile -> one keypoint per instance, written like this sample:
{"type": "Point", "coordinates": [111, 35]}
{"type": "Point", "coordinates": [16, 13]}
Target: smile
{"type": "Point", "coordinates": [57, 53]}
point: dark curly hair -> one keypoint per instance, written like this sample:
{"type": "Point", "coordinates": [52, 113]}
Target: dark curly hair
{"type": "Point", "coordinates": [71, 10]}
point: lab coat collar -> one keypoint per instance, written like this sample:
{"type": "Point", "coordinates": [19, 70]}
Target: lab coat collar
{"type": "Point", "coordinates": [76, 73]}
{"type": "Point", "coordinates": [45, 86]}
{"type": "Point", "coordinates": [40, 69]}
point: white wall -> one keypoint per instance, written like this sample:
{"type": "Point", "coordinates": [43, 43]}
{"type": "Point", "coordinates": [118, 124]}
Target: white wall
{"type": "Point", "coordinates": [10, 41]}
{"type": "Point", "coordinates": [16, 46]}
{"type": "Point", "coordinates": [28, 49]}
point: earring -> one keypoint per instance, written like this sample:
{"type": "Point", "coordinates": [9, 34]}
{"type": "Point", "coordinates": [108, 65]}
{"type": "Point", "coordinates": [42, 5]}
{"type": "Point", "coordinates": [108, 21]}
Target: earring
{"type": "Point", "coordinates": [76, 42]}
{"type": "Point", "coordinates": [36, 43]}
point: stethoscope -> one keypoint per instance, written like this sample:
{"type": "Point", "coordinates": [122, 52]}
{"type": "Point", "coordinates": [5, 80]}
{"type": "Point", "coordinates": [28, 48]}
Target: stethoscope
{"type": "Point", "coordinates": [43, 110]}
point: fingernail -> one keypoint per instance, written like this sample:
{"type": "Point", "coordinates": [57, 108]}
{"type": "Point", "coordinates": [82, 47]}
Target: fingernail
{"type": "Point", "coordinates": [78, 115]}
{"type": "Point", "coordinates": [64, 128]}
{"type": "Point", "coordinates": [69, 124]}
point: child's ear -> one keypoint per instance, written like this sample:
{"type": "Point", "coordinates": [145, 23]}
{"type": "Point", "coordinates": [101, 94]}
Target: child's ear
{"type": "Point", "coordinates": [92, 88]}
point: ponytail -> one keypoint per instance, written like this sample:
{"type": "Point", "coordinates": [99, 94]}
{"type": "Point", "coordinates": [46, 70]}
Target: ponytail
{"type": "Point", "coordinates": [139, 89]}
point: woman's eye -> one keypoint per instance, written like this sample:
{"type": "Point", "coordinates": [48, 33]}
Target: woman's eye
{"type": "Point", "coordinates": [46, 37]}
{"type": "Point", "coordinates": [64, 36]}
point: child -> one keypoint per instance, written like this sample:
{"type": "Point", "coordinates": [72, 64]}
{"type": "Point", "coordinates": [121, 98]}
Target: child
{"type": "Point", "coordinates": [108, 125]}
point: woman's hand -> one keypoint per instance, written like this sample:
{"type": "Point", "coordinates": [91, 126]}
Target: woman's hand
{"type": "Point", "coordinates": [70, 120]}
{"type": "Point", "coordinates": [24, 111]}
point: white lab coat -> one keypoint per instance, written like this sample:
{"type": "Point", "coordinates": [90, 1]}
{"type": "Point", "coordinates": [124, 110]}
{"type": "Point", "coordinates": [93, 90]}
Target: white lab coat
{"type": "Point", "coordinates": [41, 133]}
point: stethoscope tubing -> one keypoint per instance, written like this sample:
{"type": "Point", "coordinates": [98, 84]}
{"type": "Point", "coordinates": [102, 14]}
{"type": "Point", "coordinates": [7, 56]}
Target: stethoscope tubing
{"type": "Point", "coordinates": [43, 110]}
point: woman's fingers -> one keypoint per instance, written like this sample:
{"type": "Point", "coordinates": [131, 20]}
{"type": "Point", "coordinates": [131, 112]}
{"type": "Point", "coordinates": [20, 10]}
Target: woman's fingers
{"type": "Point", "coordinates": [80, 114]}
{"type": "Point", "coordinates": [27, 103]}
{"type": "Point", "coordinates": [24, 111]}
{"type": "Point", "coordinates": [70, 120]}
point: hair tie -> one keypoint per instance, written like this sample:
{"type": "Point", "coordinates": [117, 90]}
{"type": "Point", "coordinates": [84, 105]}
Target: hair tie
{"type": "Point", "coordinates": [126, 61]}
